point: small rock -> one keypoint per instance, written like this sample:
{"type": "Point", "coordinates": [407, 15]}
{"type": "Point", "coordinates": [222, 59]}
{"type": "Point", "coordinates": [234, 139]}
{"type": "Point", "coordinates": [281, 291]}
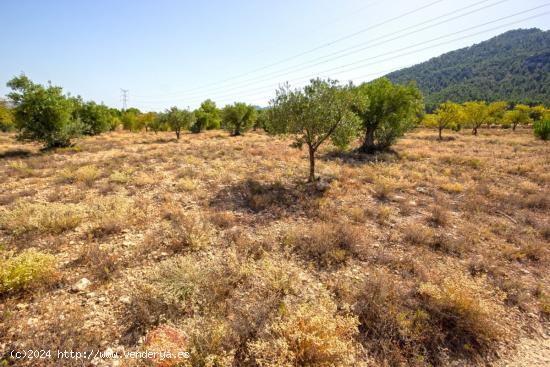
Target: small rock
{"type": "Point", "coordinates": [125, 299]}
{"type": "Point", "coordinates": [21, 306]}
{"type": "Point", "coordinates": [81, 285]}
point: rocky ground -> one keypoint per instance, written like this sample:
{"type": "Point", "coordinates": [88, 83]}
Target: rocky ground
{"type": "Point", "coordinates": [436, 253]}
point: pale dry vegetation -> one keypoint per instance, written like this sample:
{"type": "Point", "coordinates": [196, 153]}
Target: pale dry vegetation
{"type": "Point", "coordinates": [432, 255]}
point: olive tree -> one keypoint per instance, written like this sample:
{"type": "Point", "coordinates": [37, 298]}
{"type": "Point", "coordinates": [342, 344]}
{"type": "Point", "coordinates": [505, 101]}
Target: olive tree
{"type": "Point", "coordinates": [238, 118]}
{"type": "Point", "coordinates": [177, 119]}
{"type": "Point", "coordinates": [319, 111]}
{"type": "Point", "coordinates": [208, 117]}
{"type": "Point", "coordinates": [43, 113]}
{"type": "Point", "coordinates": [392, 109]}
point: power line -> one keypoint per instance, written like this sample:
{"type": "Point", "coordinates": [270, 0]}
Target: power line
{"type": "Point", "coordinates": [362, 61]}
{"type": "Point", "coordinates": [311, 63]}
{"type": "Point", "coordinates": [324, 45]}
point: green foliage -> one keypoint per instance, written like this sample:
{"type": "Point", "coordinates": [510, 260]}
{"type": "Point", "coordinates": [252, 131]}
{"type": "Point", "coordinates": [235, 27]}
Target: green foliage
{"type": "Point", "coordinates": [318, 112]}
{"type": "Point", "coordinates": [514, 66]}
{"type": "Point", "coordinates": [97, 118]}
{"type": "Point", "coordinates": [43, 114]}
{"type": "Point", "coordinates": [446, 116]}
{"type": "Point", "coordinates": [26, 270]}
{"type": "Point", "coordinates": [177, 119]}
{"type": "Point", "coordinates": [238, 118]}
{"type": "Point", "coordinates": [208, 117]}
{"type": "Point", "coordinates": [518, 116]}
{"type": "Point", "coordinates": [496, 111]}
{"type": "Point", "coordinates": [146, 120]}
{"type": "Point", "coordinates": [541, 129]}
{"type": "Point", "coordinates": [6, 117]}
{"type": "Point", "coordinates": [390, 111]}
{"type": "Point", "coordinates": [262, 120]}
{"type": "Point", "coordinates": [537, 112]}
{"type": "Point", "coordinates": [129, 120]}
{"type": "Point", "coordinates": [475, 114]}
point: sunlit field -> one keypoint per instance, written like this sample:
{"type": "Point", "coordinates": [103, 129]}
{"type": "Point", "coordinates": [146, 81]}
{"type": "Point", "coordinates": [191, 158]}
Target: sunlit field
{"type": "Point", "coordinates": [434, 252]}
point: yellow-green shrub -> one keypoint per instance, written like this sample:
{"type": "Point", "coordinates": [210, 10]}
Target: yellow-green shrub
{"type": "Point", "coordinates": [29, 269]}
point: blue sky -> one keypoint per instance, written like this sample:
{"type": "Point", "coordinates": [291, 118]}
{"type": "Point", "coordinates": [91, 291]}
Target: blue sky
{"type": "Point", "coordinates": [169, 52]}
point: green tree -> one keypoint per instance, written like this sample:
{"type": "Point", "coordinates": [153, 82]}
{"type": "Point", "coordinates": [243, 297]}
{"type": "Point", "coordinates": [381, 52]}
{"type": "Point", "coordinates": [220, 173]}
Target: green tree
{"type": "Point", "coordinates": [496, 111]}
{"type": "Point", "coordinates": [318, 112]}
{"type": "Point", "coordinates": [475, 115]}
{"type": "Point", "coordinates": [97, 118]}
{"type": "Point", "coordinates": [6, 117]}
{"type": "Point", "coordinates": [238, 118]}
{"type": "Point", "coordinates": [446, 116]}
{"type": "Point", "coordinates": [177, 119]}
{"type": "Point", "coordinates": [391, 111]}
{"type": "Point", "coordinates": [129, 120]}
{"type": "Point", "coordinates": [519, 115]}
{"type": "Point", "coordinates": [208, 117]}
{"type": "Point", "coordinates": [147, 120]}
{"type": "Point", "coordinates": [43, 113]}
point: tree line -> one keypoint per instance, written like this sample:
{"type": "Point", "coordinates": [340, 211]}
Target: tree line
{"type": "Point", "coordinates": [377, 113]}
{"type": "Point", "coordinates": [474, 114]}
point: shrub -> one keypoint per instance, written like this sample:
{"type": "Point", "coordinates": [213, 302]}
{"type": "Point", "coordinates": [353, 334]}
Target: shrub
{"type": "Point", "coordinates": [189, 231]}
{"type": "Point", "coordinates": [21, 168]}
{"type": "Point", "coordinates": [87, 175]}
{"type": "Point", "coordinates": [53, 218]}
{"type": "Point", "coordinates": [456, 315]}
{"type": "Point", "coordinates": [27, 270]}
{"type": "Point", "coordinates": [439, 216]}
{"type": "Point", "coordinates": [120, 177]}
{"type": "Point", "coordinates": [452, 187]}
{"type": "Point", "coordinates": [111, 215]}
{"type": "Point", "coordinates": [463, 310]}
{"type": "Point", "coordinates": [326, 243]}
{"type": "Point", "coordinates": [309, 334]}
{"type": "Point", "coordinates": [541, 129]}
{"type": "Point", "coordinates": [102, 263]}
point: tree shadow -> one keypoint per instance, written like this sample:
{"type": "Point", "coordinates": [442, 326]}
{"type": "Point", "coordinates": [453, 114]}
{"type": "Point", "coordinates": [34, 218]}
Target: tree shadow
{"type": "Point", "coordinates": [16, 153]}
{"type": "Point", "coordinates": [159, 141]}
{"type": "Point", "coordinates": [356, 157]}
{"type": "Point", "coordinates": [272, 200]}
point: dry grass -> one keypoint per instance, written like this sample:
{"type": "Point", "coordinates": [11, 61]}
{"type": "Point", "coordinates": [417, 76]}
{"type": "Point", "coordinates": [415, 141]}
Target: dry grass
{"type": "Point", "coordinates": [434, 255]}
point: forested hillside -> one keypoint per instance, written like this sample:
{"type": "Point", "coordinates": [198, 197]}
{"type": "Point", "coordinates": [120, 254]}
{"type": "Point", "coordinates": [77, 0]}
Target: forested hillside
{"type": "Point", "coordinates": [514, 66]}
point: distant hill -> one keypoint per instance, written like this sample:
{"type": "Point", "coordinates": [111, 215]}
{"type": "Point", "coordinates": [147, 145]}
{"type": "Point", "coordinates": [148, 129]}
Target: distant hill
{"type": "Point", "coordinates": [514, 66]}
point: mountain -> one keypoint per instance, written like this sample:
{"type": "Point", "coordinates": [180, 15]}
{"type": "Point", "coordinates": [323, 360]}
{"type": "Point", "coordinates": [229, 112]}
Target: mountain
{"type": "Point", "coordinates": [514, 66]}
